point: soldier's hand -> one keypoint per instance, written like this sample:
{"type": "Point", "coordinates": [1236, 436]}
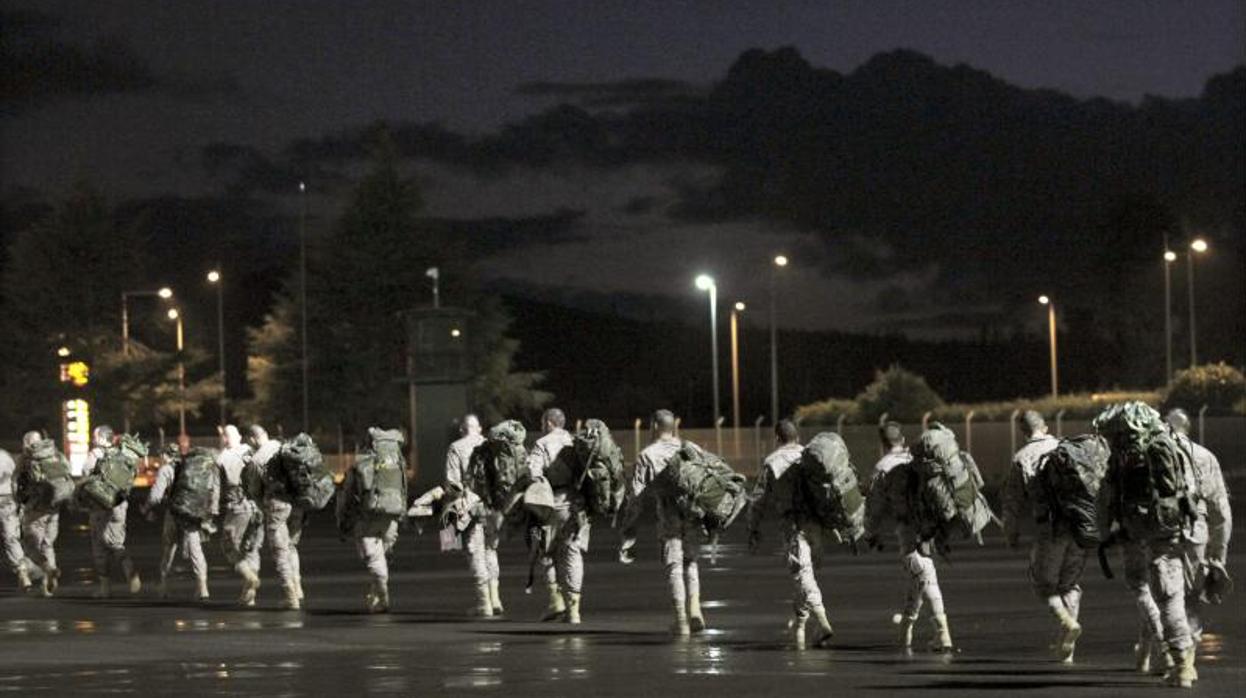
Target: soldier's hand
{"type": "Point", "coordinates": [626, 554]}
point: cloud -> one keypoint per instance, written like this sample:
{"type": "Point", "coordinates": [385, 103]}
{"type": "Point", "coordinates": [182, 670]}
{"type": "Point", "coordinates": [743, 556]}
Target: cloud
{"type": "Point", "coordinates": [639, 92]}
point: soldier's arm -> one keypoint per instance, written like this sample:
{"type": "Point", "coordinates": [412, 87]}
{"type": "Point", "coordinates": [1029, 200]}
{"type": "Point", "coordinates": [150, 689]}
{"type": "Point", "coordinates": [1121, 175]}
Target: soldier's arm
{"type": "Point", "coordinates": [1219, 512]}
{"type": "Point", "coordinates": [159, 488]}
{"type": "Point", "coordinates": [454, 472]}
{"type": "Point", "coordinates": [759, 502]}
{"type": "Point", "coordinates": [537, 462]}
{"type": "Point", "coordinates": [1014, 499]}
{"type": "Point", "coordinates": [876, 505]}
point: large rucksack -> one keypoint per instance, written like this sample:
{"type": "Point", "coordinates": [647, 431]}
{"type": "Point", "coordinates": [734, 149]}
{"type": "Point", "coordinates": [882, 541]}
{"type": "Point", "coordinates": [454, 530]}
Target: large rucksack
{"type": "Point", "coordinates": [827, 487]}
{"type": "Point", "coordinates": [496, 464]}
{"type": "Point", "coordinates": [1152, 477]}
{"type": "Point", "coordinates": [196, 482]}
{"type": "Point", "coordinates": [381, 478]}
{"type": "Point", "coordinates": [47, 482]}
{"type": "Point", "coordinates": [703, 487]}
{"type": "Point", "coordinates": [110, 483]}
{"type": "Point", "coordinates": [600, 468]}
{"type": "Point", "coordinates": [309, 480]}
{"type": "Point", "coordinates": [948, 501]}
{"type": "Point", "coordinates": [1068, 480]}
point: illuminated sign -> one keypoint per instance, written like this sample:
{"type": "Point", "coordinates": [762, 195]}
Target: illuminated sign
{"type": "Point", "coordinates": [75, 372]}
{"type": "Point", "coordinates": [76, 422]}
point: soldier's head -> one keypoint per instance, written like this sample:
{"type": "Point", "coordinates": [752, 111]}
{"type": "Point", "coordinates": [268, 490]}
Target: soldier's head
{"type": "Point", "coordinates": [663, 423]}
{"type": "Point", "coordinates": [785, 432]}
{"type": "Point", "coordinates": [183, 443]}
{"type": "Point", "coordinates": [1033, 424]}
{"type": "Point", "coordinates": [30, 438]}
{"type": "Point", "coordinates": [891, 435]}
{"type": "Point", "coordinates": [1179, 421]}
{"type": "Point", "coordinates": [470, 426]}
{"type": "Point", "coordinates": [258, 435]}
{"type": "Point", "coordinates": [552, 419]}
{"type": "Point", "coordinates": [230, 436]}
{"type": "Point", "coordinates": [102, 436]}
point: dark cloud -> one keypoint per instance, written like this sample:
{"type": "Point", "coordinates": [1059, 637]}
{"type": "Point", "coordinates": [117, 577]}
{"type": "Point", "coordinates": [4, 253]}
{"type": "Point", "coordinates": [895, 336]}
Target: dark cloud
{"type": "Point", "coordinates": [646, 92]}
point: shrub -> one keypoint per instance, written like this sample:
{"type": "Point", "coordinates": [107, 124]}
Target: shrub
{"type": "Point", "coordinates": [903, 395]}
{"type": "Point", "coordinates": [1219, 386]}
{"type": "Point", "coordinates": [826, 412]}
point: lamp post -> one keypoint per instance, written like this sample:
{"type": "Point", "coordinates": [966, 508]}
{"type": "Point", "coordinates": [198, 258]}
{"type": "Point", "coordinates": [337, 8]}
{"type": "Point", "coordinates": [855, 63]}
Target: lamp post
{"type": "Point", "coordinates": [735, 373]}
{"type": "Point", "coordinates": [1169, 258]}
{"type": "Point", "coordinates": [1197, 245]}
{"type": "Point", "coordinates": [164, 293]}
{"type": "Point", "coordinates": [303, 292]}
{"type": "Point", "coordinates": [1051, 332]}
{"type": "Point", "coordinates": [706, 283]}
{"type": "Point", "coordinates": [214, 278]}
{"type": "Point", "coordinates": [780, 261]}
{"type": "Point", "coordinates": [176, 316]}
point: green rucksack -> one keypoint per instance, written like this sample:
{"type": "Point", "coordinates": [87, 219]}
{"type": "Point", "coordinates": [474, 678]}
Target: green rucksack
{"type": "Point", "coordinates": [600, 468]}
{"type": "Point", "coordinates": [111, 481]}
{"type": "Point", "coordinates": [196, 483]}
{"type": "Point", "coordinates": [309, 480]}
{"type": "Point", "coordinates": [496, 465]}
{"type": "Point", "coordinates": [704, 488]}
{"type": "Point", "coordinates": [1153, 478]}
{"type": "Point", "coordinates": [827, 487]}
{"type": "Point", "coordinates": [948, 501]}
{"type": "Point", "coordinates": [381, 478]}
{"type": "Point", "coordinates": [1068, 480]}
{"type": "Point", "coordinates": [46, 481]}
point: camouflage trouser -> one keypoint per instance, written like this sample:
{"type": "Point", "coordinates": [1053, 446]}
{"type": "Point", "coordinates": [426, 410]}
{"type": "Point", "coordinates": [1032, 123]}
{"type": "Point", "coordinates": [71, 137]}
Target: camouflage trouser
{"type": "Point", "coordinates": [565, 564]}
{"type": "Point", "coordinates": [923, 581]}
{"type": "Point", "coordinates": [680, 546]}
{"type": "Point", "coordinates": [283, 524]}
{"type": "Point", "coordinates": [1056, 565]}
{"type": "Point", "coordinates": [242, 534]}
{"type": "Point", "coordinates": [108, 539]}
{"type": "Point", "coordinates": [39, 533]}
{"type": "Point", "coordinates": [177, 536]}
{"type": "Point", "coordinates": [1196, 559]}
{"type": "Point", "coordinates": [804, 556]}
{"type": "Point", "coordinates": [481, 545]}
{"type": "Point", "coordinates": [1156, 574]}
{"type": "Point", "coordinates": [11, 535]}
{"type": "Point", "coordinates": [374, 539]}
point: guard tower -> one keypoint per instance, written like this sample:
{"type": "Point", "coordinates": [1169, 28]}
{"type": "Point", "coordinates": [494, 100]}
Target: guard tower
{"type": "Point", "coordinates": [439, 342]}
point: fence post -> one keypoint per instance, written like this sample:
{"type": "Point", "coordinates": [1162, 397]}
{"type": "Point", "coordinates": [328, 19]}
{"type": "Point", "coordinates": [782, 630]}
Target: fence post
{"type": "Point", "coordinates": [1202, 414]}
{"type": "Point", "coordinates": [579, 423]}
{"type": "Point", "coordinates": [636, 436]}
{"type": "Point", "coordinates": [839, 424]}
{"type": "Point", "coordinates": [678, 420]}
{"type": "Point", "coordinates": [925, 420]}
{"type": "Point", "coordinates": [1012, 430]}
{"type": "Point", "coordinates": [341, 451]}
{"type": "Point", "coordinates": [1060, 424]}
{"type": "Point", "coordinates": [882, 449]}
{"type": "Point", "coordinates": [160, 431]}
{"type": "Point", "coordinates": [757, 442]}
{"type": "Point", "coordinates": [718, 434]}
{"type": "Point", "coordinates": [969, 431]}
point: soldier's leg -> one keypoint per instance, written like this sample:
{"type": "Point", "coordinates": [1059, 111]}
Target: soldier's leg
{"type": "Point", "coordinates": [39, 533]}
{"type": "Point", "coordinates": [673, 562]}
{"type": "Point", "coordinates": [277, 517]}
{"type": "Point", "coordinates": [1169, 584]}
{"type": "Point", "coordinates": [1196, 558]}
{"type": "Point", "coordinates": [98, 521]}
{"type": "Point", "coordinates": [1046, 563]}
{"type": "Point", "coordinates": [493, 535]}
{"type": "Point", "coordinates": [114, 539]}
{"type": "Point", "coordinates": [11, 540]}
{"type": "Point", "coordinates": [297, 519]}
{"type": "Point", "coordinates": [571, 548]}
{"type": "Point", "coordinates": [1071, 561]}
{"type": "Point", "coordinates": [478, 565]}
{"type": "Point", "coordinates": [191, 543]}
{"type": "Point", "coordinates": [692, 580]}
{"type": "Point", "coordinates": [1137, 579]}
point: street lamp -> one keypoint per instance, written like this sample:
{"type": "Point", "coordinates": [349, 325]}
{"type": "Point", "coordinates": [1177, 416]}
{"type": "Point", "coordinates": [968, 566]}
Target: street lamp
{"type": "Point", "coordinates": [164, 293]}
{"type": "Point", "coordinates": [1169, 258]}
{"type": "Point", "coordinates": [214, 278]}
{"type": "Point", "coordinates": [303, 292]}
{"type": "Point", "coordinates": [705, 282]}
{"type": "Point", "coordinates": [735, 372]}
{"type": "Point", "coordinates": [176, 316]}
{"type": "Point", "coordinates": [1051, 331]}
{"type": "Point", "coordinates": [780, 261]}
{"type": "Point", "coordinates": [1197, 245]}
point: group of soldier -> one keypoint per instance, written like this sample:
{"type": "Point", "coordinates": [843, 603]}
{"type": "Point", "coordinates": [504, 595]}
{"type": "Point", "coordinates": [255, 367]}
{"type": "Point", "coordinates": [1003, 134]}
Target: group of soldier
{"type": "Point", "coordinates": [1168, 574]}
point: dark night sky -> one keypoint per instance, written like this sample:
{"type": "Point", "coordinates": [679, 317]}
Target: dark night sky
{"type": "Point", "coordinates": [265, 73]}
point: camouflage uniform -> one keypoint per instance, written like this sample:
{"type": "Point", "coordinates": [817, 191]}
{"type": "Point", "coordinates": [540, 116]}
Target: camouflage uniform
{"type": "Point", "coordinates": [242, 522]}
{"type": "Point", "coordinates": [481, 537]}
{"type": "Point", "coordinates": [10, 523]}
{"type": "Point", "coordinates": [564, 569]}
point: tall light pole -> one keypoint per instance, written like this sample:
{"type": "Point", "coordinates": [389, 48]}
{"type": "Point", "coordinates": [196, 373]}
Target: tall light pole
{"type": "Point", "coordinates": [1051, 332]}
{"type": "Point", "coordinates": [164, 293]}
{"type": "Point", "coordinates": [1197, 245]}
{"type": "Point", "coordinates": [176, 316]}
{"type": "Point", "coordinates": [780, 261]}
{"type": "Point", "coordinates": [705, 282]}
{"type": "Point", "coordinates": [214, 278]}
{"type": "Point", "coordinates": [303, 292]}
{"type": "Point", "coordinates": [1169, 258]}
{"type": "Point", "coordinates": [735, 373]}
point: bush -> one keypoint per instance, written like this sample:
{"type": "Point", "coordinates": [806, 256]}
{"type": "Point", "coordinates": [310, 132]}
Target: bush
{"type": "Point", "coordinates": [827, 412]}
{"type": "Point", "coordinates": [903, 395]}
{"type": "Point", "coordinates": [1219, 386]}
{"type": "Point", "coordinates": [1075, 406]}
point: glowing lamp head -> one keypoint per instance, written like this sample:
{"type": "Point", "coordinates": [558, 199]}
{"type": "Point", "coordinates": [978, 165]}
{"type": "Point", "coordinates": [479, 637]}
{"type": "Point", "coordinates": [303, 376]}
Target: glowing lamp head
{"type": "Point", "coordinates": [739, 306]}
{"type": "Point", "coordinates": [780, 260]}
{"type": "Point", "coordinates": [1198, 245]}
{"type": "Point", "coordinates": [1170, 256]}
{"type": "Point", "coordinates": [214, 276]}
{"type": "Point", "coordinates": [456, 333]}
{"type": "Point", "coordinates": [1044, 300]}
{"type": "Point", "coordinates": [62, 352]}
{"type": "Point", "coordinates": [302, 186]}
{"type": "Point", "coordinates": [173, 314]}
{"type": "Point", "coordinates": [165, 293]}
{"type": "Point", "coordinates": [705, 282]}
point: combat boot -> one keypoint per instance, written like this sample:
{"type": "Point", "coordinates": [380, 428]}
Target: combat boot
{"type": "Point", "coordinates": [1142, 656]}
{"type": "Point", "coordinates": [291, 601]}
{"type": "Point", "coordinates": [796, 626]}
{"type": "Point", "coordinates": [1182, 674]}
{"type": "Point", "coordinates": [557, 607]}
{"type": "Point", "coordinates": [103, 588]}
{"type": "Point", "coordinates": [298, 588]}
{"type": "Point", "coordinates": [573, 608]}
{"type": "Point", "coordinates": [51, 580]}
{"type": "Point", "coordinates": [201, 589]}
{"type": "Point", "coordinates": [904, 630]}
{"type": "Point", "coordinates": [825, 631]}
{"type": "Point", "coordinates": [942, 641]}
{"type": "Point", "coordinates": [484, 602]}
{"type": "Point", "coordinates": [696, 619]}
{"type": "Point", "coordinates": [134, 581]}
{"type": "Point", "coordinates": [23, 578]}
{"type": "Point", "coordinates": [680, 627]}
{"type": "Point", "coordinates": [378, 597]}
{"type": "Point", "coordinates": [495, 597]}
{"type": "Point", "coordinates": [250, 585]}
{"type": "Point", "coordinates": [1070, 630]}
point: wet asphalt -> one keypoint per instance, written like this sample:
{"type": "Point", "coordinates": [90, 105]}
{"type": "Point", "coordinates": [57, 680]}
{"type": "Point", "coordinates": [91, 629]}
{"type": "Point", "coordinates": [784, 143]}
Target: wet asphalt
{"type": "Point", "coordinates": [76, 645]}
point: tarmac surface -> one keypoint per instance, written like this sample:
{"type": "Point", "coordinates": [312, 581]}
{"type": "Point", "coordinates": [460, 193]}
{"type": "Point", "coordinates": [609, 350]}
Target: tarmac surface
{"type": "Point", "coordinates": [76, 645]}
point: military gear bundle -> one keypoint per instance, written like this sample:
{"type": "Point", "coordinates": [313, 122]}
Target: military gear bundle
{"type": "Point", "coordinates": [377, 484]}
{"type": "Point", "coordinates": [306, 476]}
{"type": "Point", "coordinates": [1067, 486]}
{"type": "Point", "coordinates": [195, 483]}
{"type": "Point", "coordinates": [704, 487]}
{"type": "Point", "coordinates": [46, 481]}
{"type": "Point", "coordinates": [600, 469]}
{"type": "Point", "coordinates": [827, 488]}
{"type": "Point", "coordinates": [496, 464]}
{"type": "Point", "coordinates": [110, 483]}
{"type": "Point", "coordinates": [1154, 491]}
{"type": "Point", "coordinates": [948, 500]}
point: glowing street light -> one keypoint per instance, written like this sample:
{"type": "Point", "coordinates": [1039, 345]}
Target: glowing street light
{"type": "Point", "coordinates": [1051, 331]}
{"type": "Point", "coordinates": [705, 282]}
{"type": "Point", "coordinates": [780, 261]}
{"type": "Point", "coordinates": [163, 293]}
{"type": "Point", "coordinates": [176, 316]}
{"type": "Point", "coordinates": [1197, 246]}
{"type": "Point", "coordinates": [214, 278]}
{"type": "Point", "coordinates": [735, 372]}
